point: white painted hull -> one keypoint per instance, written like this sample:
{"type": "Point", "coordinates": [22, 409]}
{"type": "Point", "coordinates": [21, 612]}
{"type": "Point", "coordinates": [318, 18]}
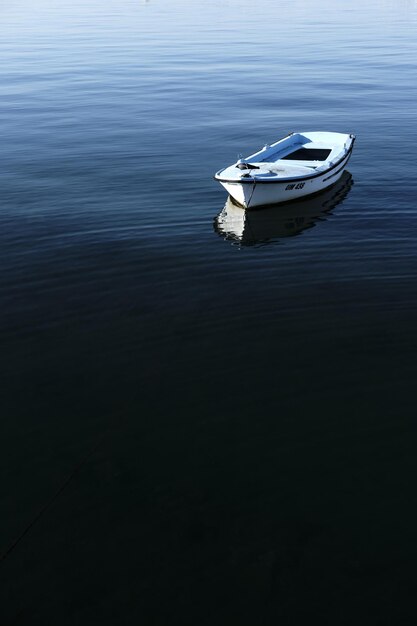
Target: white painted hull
{"type": "Point", "coordinates": [299, 165]}
{"type": "Point", "coordinates": [277, 221]}
{"type": "Point", "coordinates": [250, 195]}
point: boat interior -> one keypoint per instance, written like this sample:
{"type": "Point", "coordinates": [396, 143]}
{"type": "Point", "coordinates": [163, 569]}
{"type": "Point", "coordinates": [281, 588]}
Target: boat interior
{"type": "Point", "coordinates": [293, 156]}
{"type": "Point", "coordinates": [303, 150]}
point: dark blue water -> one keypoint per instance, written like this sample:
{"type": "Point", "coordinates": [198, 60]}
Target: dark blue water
{"type": "Point", "coordinates": [206, 419]}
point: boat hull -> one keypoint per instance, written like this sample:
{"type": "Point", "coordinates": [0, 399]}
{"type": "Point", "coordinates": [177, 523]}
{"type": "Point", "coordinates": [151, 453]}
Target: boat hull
{"type": "Point", "coordinates": [253, 193]}
{"type": "Point", "coordinates": [299, 165]}
{"type": "Point", "coordinates": [278, 221]}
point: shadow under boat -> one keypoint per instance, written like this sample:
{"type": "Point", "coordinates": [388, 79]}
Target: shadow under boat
{"type": "Point", "coordinates": [264, 225]}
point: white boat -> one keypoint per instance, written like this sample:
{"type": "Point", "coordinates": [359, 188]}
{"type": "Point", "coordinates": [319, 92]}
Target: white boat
{"type": "Point", "coordinates": [298, 165]}
{"type": "Point", "coordinates": [272, 223]}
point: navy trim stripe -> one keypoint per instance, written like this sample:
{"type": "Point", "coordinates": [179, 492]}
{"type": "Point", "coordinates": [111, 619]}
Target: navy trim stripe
{"type": "Point", "coordinates": [250, 181]}
{"type": "Point", "coordinates": [335, 174]}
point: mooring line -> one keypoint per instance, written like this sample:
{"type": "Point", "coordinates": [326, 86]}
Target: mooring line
{"type": "Point", "coordinates": [253, 189]}
{"type": "Point", "coordinates": [39, 514]}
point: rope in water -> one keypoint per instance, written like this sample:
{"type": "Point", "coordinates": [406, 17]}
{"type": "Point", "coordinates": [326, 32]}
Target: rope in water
{"type": "Point", "coordinates": [46, 506]}
{"type": "Point", "coordinates": [253, 189]}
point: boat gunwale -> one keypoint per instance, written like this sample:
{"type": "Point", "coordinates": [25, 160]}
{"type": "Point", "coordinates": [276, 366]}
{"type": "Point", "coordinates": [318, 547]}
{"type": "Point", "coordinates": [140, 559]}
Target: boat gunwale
{"type": "Point", "coordinates": [277, 181]}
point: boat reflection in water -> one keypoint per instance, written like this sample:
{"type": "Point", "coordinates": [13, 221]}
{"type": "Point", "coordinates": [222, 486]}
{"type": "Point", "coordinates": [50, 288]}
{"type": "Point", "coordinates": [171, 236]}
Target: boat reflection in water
{"type": "Point", "coordinates": [264, 225]}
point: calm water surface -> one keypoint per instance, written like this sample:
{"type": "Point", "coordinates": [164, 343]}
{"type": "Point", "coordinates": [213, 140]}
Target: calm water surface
{"type": "Point", "coordinates": [208, 418]}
